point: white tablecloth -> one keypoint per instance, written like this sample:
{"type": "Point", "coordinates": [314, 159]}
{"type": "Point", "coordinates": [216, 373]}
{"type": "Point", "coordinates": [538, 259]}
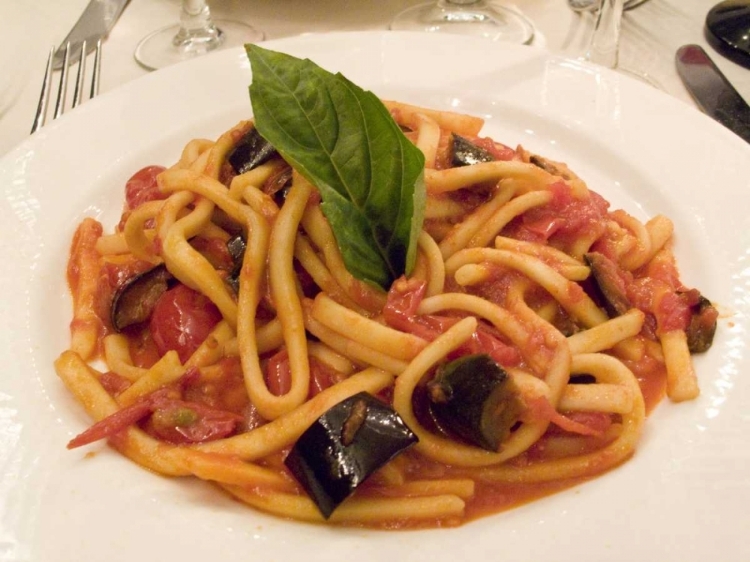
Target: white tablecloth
{"type": "Point", "coordinates": [650, 36]}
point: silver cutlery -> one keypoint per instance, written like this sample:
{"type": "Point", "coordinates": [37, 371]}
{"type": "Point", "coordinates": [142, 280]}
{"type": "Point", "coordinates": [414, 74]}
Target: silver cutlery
{"type": "Point", "coordinates": [711, 90]}
{"type": "Point", "coordinates": [95, 22]}
{"type": "Point", "coordinates": [62, 87]}
{"type": "Point", "coordinates": [85, 36]}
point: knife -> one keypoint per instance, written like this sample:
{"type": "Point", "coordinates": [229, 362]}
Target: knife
{"type": "Point", "coordinates": [96, 21]}
{"type": "Point", "coordinates": [712, 91]}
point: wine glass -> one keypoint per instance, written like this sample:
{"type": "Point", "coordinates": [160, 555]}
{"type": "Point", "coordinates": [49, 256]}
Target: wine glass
{"type": "Point", "coordinates": [604, 46]}
{"type": "Point", "coordinates": [469, 17]}
{"type": "Point", "coordinates": [590, 5]}
{"type": "Point", "coordinates": [195, 35]}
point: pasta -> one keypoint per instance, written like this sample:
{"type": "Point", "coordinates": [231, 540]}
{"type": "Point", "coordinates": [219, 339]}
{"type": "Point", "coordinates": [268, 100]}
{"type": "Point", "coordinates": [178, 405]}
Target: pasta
{"type": "Point", "coordinates": [216, 362]}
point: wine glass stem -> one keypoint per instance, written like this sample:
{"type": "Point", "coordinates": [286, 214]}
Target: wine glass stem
{"type": "Point", "coordinates": [197, 31]}
{"type": "Point", "coordinates": [605, 40]}
{"type": "Point", "coordinates": [194, 15]}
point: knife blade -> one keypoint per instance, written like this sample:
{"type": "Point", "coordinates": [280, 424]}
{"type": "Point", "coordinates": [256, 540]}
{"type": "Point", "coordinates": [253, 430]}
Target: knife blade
{"type": "Point", "coordinates": [96, 21]}
{"type": "Point", "coordinates": [711, 90]}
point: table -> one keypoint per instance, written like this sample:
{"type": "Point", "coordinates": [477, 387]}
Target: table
{"type": "Point", "coordinates": [650, 36]}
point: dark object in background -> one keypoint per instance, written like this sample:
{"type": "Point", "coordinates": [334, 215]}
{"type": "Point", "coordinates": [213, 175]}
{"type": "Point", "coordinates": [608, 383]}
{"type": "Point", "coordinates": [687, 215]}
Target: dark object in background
{"type": "Point", "coordinates": [711, 90]}
{"type": "Point", "coordinates": [728, 30]}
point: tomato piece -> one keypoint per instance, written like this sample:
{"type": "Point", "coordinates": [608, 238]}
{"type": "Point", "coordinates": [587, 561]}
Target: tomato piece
{"type": "Point", "coordinates": [278, 373]}
{"type": "Point", "coordinates": [581, 423]}
{"type": "Point", "coordinates": [403, 300]}
{"type": "Point", "coordinates": [181, 320]}
{"type": "Point", "coordinates": [118, 273]}
{"type": "Point", "coordinates": [501, 352]}
{"type": "Point", "coordinates": [498, 150]}
{"type": "Point", "coordinates": [171, 419]}
{"type": "Point", "coordinates": [223, 390]}
{"type": "Point", "coordinates": [112, 425]}
{"type": "Point", "coordinates": [565, 218]}
{"type": "Point", "coordinates": [114, 383]}
{"type": "Point", "coordinates": [321, 376]}
{"type": "Point", "coordinates": [598, 422]}
{"type": "Point", "coordinates": [400, 312]}
{"type": "Point", "coordinates": [180, 422]}
{"type": "Point", "coordinates": [142, 187]}
{"type": "Point", "coordinates": [672, 313]}
{"type": "Point", "coordinates": [215, 251]}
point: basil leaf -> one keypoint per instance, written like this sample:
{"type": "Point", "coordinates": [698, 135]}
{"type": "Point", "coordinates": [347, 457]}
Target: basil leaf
{"type": "Point", "coordinates": [345, 142]}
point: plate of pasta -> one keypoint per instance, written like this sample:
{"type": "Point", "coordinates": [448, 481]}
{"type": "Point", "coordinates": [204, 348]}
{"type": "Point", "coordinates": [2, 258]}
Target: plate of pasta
{"type": "Point", "coordinates": [413, 297]}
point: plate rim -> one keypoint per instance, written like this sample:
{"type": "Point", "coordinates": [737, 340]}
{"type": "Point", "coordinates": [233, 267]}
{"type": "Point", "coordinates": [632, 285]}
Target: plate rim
{"type": "Point", "coordinates": [69, 125]}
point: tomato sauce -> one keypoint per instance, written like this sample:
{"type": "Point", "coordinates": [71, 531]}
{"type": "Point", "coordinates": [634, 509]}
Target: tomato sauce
{"type": "Point", "coordinates": [212, 403]}
{"type": "Point", "coordinates": [563, 221]}
{"type": "Point", "coordinates": [489, 497]}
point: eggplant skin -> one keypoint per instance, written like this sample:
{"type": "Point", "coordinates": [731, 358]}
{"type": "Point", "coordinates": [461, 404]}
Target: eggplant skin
{"type": "Point", "coordinates": [251, 151]}
{"type": "Point", "coordinates": [344, 446]}
{"type": "Point", "coordinates": [609, 283]}
{"type": "Point", "coordinates": [702, 328]}
{"type": "Point", "coordinates": [135, 300]}
{"type": "Point", "coordinates": [236, 247]}
{"type": "Point", "coordinates": [466, 153]}
{"type": "Point", "coordinates": [475, 399]}
{"type": "Point", "coordinates": [555, 168]}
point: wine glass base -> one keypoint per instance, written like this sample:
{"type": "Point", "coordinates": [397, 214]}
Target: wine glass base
{"type": "Point", "coordinates": [170, 45]}
{"type": "Point", "coordinates": [593, 5]}
{"type": "Point", "coordinates": [476, 18]}
{"type": "Point", "coordinates": [640, 76]}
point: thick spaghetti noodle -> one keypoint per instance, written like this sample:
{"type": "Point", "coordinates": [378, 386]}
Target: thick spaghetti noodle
{"type": "Point", "coordinates": [218, 361]}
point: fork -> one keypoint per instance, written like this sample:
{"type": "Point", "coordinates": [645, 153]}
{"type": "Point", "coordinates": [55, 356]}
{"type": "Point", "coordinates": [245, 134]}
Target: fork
{"type": "Point", "coordinates": [62, 89]}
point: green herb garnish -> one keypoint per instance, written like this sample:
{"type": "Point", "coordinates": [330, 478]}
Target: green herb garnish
{"type": "Point", "coordinates": [345, 142]}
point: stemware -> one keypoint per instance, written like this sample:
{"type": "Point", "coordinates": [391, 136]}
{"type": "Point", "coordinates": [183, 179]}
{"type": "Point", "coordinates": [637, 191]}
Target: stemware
{"type": "Point", "coordinates": [469, 17]}
{"type": "Point", "coordinates": [590, 5]}
{"type": "Point", "coordinates": [604, 46]}
{"type": "Point", "coordinates": [196, 34]}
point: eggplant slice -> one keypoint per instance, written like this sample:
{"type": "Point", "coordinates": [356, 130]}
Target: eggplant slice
{"type": "Point", "coordinates": [475, 398]}
{"type": "Point", "coordinates": [236, 247]}
{"type": "Point", "coordinates": [134, 301]}
{"type": "Point", "coordinates": [609, 283]}
{"type": "Point", "coordinates": [702, 328]}
{"type": "Point", "coordinates": [466, 153]}
{"type": "Point", "coordinates": [555, 168]}
{"type": "Point", "coordinates": [251, 151]}
{"type": "Point", "coordinates": [343, 447]}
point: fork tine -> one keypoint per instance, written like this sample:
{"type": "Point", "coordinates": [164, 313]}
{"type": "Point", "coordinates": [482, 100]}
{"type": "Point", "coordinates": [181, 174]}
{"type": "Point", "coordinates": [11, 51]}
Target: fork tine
{"type": "Point", "coordinates": [62, 89]}
{"type": "Point", "coordinates": [41, 110]}
{"type": "Point", "coordinates": [97, 69]}
{"type": "Point", "coordinates": [78, 92]}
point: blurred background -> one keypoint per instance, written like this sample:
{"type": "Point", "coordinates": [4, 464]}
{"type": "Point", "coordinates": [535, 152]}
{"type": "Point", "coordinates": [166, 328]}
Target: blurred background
{"type": "Point", "coordinates": [651, 33]}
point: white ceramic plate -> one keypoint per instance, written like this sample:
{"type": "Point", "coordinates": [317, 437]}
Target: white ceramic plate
{"type": "Point", "coordinates": [684, 496]}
